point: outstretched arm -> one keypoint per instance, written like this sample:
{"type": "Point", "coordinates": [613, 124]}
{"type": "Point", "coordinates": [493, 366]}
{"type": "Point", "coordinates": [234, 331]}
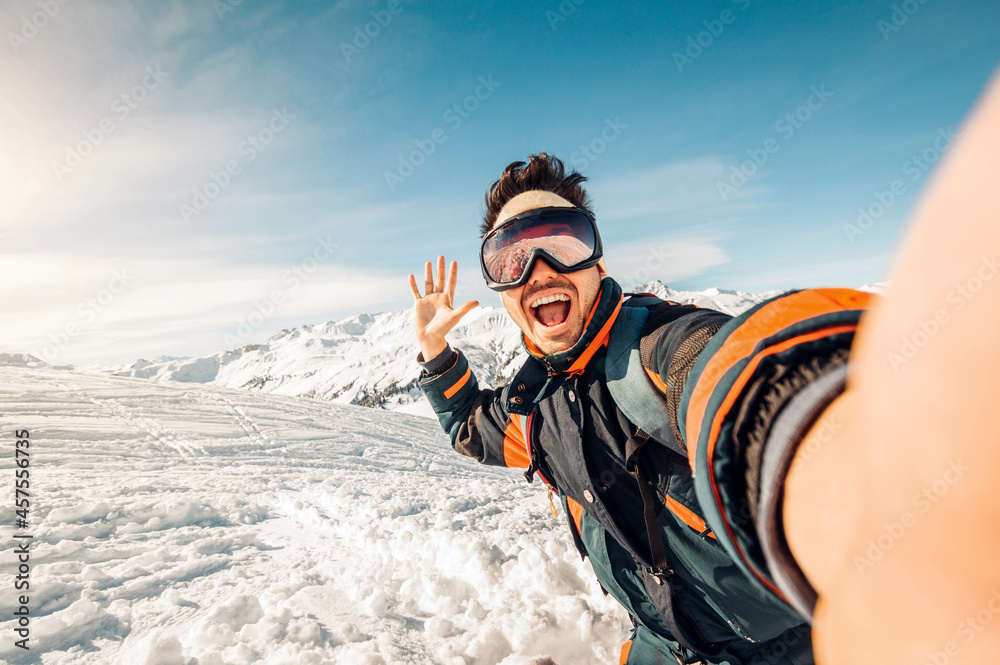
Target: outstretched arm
{"type": "Point", "coordinates": [475, 419]}
{"type": "Point", "coordinates": [891, 505]}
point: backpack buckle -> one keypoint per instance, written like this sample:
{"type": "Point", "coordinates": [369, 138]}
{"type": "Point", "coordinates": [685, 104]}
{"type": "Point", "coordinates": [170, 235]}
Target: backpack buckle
{"type": "Point", "coordinates": [659, 575]}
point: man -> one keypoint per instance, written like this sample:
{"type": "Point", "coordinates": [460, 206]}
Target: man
{"type": "Point", "coordinates": [761, 407]}
{"type": "Point", "coordinates": [542, 252]}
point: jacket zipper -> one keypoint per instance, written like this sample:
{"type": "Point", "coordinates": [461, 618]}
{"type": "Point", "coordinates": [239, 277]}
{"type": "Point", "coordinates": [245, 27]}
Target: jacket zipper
{"type": "Point", "coordinates": [693, 624]}
{"type": "Point", "coordinates": [739, 631]}
{"type": "Point", "coordinates": [532, 469]}
{"type": "Point", "coordinates": [736, 628]}
{"type": "Point", "coordinates": [731, 623]}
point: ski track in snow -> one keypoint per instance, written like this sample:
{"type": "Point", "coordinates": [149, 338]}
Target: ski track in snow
{"type": "Point", "coordinates": [180, 525]}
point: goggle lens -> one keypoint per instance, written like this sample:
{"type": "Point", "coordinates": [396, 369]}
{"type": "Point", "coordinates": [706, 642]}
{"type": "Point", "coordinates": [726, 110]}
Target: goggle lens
{"type": "Point", "coordinates": [568, 237]}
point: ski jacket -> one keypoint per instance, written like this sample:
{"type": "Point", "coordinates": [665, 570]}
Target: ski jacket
{"type": "Point", "coordinates": [557, 418]}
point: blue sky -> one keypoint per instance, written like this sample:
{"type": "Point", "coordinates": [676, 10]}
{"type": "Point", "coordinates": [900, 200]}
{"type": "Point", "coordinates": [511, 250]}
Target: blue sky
{"type": "Point", "coordinates": [185, 177]}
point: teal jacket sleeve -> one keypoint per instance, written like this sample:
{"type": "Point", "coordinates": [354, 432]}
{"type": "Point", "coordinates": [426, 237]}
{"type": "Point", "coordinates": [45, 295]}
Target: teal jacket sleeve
{"type": "Point", "coordinates": [749, 399]}
{"type": "Point", "coordinates": [742, 392]}
{"type": "Point", "coordinates": [474, 418]}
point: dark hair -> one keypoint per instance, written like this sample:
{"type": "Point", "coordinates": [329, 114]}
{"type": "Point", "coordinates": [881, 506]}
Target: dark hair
{"type": "Point", "coordinates": [540, 172]}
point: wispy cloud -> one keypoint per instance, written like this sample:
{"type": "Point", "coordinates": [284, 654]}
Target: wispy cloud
{"type": "Point", "coordinates": [114, 310]}
{"type": "Point", "coordinates": [65, 231]}
{"type": "Point", "coordinates": [123, 113]}
{"type": "Point", "coordinates": [668, 222]}
{"type": "Point", "coordinates": [782, 272]}
{"type": "Point", "coordinates": [676, 193]}
{"type": "Point", "coordinates": [666, 258]}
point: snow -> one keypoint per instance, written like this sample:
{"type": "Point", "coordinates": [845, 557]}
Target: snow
{"type": "Point", "coordinates": [190, 524]}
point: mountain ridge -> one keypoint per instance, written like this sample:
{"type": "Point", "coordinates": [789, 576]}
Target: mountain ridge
{"type": "Point", "coordinates": [370, 359]}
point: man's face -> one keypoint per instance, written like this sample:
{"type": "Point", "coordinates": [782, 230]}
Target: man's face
{"type": "Point", "coordinates": [557, 325]}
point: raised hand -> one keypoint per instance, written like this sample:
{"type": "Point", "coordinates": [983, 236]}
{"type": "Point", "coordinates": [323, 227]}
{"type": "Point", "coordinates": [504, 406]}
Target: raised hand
{"type": "Point", "coordinates": [434, 313]}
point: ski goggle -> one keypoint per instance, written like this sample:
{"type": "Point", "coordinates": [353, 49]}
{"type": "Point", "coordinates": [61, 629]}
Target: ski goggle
{"type": "Point", "coordinates": [566, 238]}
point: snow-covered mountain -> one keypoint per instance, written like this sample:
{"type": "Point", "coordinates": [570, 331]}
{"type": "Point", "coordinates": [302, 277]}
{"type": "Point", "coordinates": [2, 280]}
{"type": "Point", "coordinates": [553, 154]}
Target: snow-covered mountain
{"type": "Point", "coordinates": [21, 360]}
{"type": "Point", "coordinates": [370, 359]}
{"type": "Point", "coordinates": [366, 359]}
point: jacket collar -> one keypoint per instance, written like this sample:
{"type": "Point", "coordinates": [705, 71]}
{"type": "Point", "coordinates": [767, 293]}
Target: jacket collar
{"type": "Point", "coordinates": [596, 330]}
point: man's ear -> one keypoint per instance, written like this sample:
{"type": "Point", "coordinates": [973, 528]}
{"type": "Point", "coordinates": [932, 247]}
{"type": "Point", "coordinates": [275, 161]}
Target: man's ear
{"type": "Point", "coordinates": [602, 268]}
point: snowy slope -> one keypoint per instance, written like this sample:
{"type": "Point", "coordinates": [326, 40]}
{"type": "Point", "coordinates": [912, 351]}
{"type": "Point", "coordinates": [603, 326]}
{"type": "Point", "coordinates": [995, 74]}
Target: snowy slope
{"type": "Point", "coordinates": [366, 359]}
{"type": "Point", "coordinates": [371, 359]}
{"type": "Point", "coordinates": [185, 524]}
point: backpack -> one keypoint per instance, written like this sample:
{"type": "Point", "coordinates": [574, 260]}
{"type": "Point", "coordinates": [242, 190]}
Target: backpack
{"type": "Point", "coordinates": [629, 382]}
{"type": "Point", "coordinates": [632, 387]}
{"type": "Point", "coordinates": [639, 393]}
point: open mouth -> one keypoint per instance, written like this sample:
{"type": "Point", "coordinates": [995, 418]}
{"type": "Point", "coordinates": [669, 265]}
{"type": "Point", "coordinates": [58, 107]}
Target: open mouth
{"type": "Point", "coordinates": [551, 310]}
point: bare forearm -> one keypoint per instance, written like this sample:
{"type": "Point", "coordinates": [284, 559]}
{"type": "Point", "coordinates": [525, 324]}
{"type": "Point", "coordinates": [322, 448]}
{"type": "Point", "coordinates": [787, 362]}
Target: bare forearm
{"type": "Point", "coordinates": [895, 522]}
{"type": "Point", "coordinates": [432, 348]}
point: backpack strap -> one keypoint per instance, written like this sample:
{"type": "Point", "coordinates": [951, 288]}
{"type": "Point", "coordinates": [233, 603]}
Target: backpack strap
{"type": "Point", "coordinates": [660, 570]}
{"type": "Point", "coordinates": [631, 386]}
